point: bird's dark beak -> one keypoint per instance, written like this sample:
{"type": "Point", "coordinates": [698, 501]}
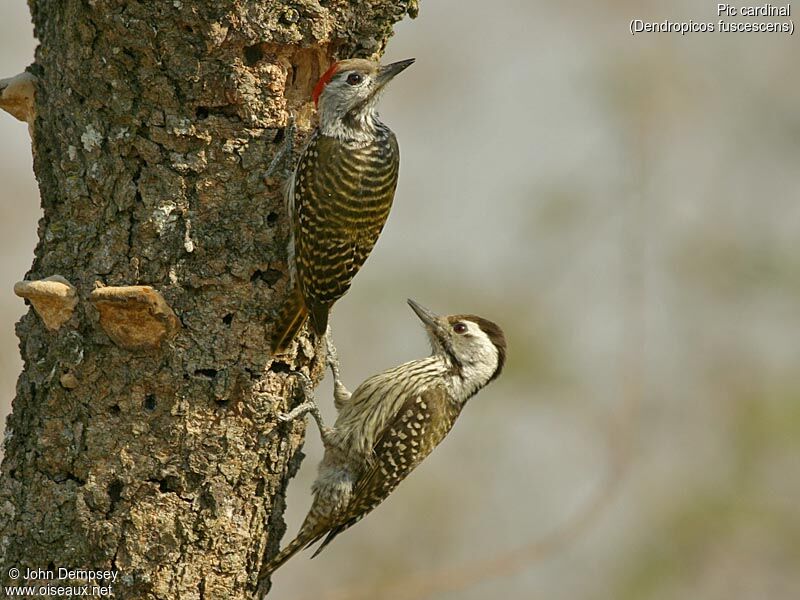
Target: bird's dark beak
{"type": "Point", "coordinates": [437, 329]}
{"type": "Point", "coordinates": [388, 72]}
{"type": "Point", "coordinates": [432, 321]}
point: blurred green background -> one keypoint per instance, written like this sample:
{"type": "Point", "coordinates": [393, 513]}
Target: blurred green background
{"type": "Point", "coordinates": [628, 209]}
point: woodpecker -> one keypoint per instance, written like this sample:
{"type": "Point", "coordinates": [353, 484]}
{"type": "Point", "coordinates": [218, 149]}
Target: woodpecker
{"type": "Point", "coordinates": [392, 422]}
{"type": "Point", "coordinates": [340, 193]}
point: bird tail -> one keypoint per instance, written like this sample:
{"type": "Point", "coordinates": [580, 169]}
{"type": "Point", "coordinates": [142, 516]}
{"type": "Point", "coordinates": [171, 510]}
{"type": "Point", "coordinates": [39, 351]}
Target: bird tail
{"type": "Point", "coordinates": [315, 525]}
{"type": "Point", "coordinates": [295, 546]}
{"type": "Point", "coordinates": [319, 318]}
{"type": "Point", "coordinates": [291, 318]}
{"type": "Point", "coordinates": [332, 533]}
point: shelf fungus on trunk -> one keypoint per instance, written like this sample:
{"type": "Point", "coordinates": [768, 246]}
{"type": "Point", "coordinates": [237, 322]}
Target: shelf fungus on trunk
{"type": "Point", "coordinates": [53, 298]}
{"type": "Point", "coordinates": [17, 97]}
{"type": "Point", "coordinates": [135, 317]}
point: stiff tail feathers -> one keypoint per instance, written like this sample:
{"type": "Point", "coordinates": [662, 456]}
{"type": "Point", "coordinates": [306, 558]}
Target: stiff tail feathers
{"type": "Point", "coordinates": [328, 539]}
{"type": "Point", "coordinates": [319, 319]}
{"type": "Point", "coordinates": [295, 546]}
{"type": "Point", "coordinates": [291, 318]}
{"type": "Point", "coordinates": [304, 539]}
{"type": "Point", "coordinates": [332, 533]}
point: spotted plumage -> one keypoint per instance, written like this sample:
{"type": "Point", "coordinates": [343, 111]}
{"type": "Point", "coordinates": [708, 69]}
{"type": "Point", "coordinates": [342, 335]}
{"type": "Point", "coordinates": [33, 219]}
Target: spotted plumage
{"type": "Point", "coordinates": [340, 194]}
{"type": "Point", "coordinates": [419, 426]}
{"type": "Point", "coordinates": [392, 422]}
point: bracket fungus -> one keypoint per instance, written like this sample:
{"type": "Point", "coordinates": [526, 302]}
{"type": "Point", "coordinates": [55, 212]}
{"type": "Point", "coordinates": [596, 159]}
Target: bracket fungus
{"type": "Point", "coordinates": [135, 317]}
{"type": "Point", "coordinates": [17, 96]}
{"type": "Point", "coordinates": [54, 299]}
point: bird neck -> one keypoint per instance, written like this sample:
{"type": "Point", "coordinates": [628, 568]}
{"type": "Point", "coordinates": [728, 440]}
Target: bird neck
{"type": "Point", "coordinates": [358, 126]}
{"type": "Point", "coordinates": [466, 378]}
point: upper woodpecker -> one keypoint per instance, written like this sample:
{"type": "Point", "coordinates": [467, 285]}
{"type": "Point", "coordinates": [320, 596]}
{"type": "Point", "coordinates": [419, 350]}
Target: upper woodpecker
{"type": "Point", "coordinates": [392, 422]}
{"type": "Point", "coordinates": [340, 193]}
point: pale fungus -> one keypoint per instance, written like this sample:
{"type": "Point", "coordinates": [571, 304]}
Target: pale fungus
{"type": "Point", "coordinates": [54, 299]}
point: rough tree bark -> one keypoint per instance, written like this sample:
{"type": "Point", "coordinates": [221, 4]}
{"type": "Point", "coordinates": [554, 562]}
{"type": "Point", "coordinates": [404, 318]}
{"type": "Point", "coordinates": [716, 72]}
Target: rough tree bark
{"type": "Point", "coordinates": [144, 440]}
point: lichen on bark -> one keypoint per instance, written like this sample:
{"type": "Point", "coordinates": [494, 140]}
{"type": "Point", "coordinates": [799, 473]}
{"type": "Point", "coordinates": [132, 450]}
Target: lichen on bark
{"type": "Point", "coordinates": [155, 122]}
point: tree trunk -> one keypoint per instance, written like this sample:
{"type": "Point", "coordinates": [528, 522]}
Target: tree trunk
{"type": "Point", "coordinates": [143, 437]}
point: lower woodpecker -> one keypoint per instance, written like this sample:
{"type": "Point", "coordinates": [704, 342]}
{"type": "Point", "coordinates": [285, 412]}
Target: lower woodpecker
{"type": "Point", "coordinates": [392, 422]}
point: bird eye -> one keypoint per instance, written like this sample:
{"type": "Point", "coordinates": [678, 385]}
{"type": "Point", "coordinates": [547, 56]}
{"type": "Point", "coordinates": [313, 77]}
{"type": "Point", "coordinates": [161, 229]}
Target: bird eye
{"type": "Point", "coordinates": [354, 79]}
{"type": "Point", "coordinates": [460, 328]}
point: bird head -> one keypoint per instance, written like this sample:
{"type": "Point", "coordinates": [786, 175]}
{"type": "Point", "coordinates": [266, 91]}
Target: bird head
{"type": "Point", "coordinates": [476, 347]}
{"type": "Point", "coordinates": [347, 93]}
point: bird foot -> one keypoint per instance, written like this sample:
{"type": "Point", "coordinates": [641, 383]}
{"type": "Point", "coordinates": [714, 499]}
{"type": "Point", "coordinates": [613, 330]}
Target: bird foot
{"type": "Point", "coordinates": [308, 406]}
{"type": "Point", "coordinates": [340, 393]}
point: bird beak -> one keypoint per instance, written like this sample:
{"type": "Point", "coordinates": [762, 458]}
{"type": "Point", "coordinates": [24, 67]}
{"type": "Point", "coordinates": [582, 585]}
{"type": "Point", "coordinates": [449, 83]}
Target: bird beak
{"type": "Point", "coordinates": [436, 329]}
{"type": "Point", "coordinates": [388, 72]}
{"type": "Point", "coordinates": [432, 321]}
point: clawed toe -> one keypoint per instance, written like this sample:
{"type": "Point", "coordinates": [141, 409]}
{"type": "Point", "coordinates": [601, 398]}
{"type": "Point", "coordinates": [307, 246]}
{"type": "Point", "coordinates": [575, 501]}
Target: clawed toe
{"type": "Point", "coordinates": [306, 380]}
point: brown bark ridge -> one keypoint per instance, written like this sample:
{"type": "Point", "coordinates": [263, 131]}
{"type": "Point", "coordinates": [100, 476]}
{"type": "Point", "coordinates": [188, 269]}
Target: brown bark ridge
{"type": "Point", "coordinates": [143, 437]}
